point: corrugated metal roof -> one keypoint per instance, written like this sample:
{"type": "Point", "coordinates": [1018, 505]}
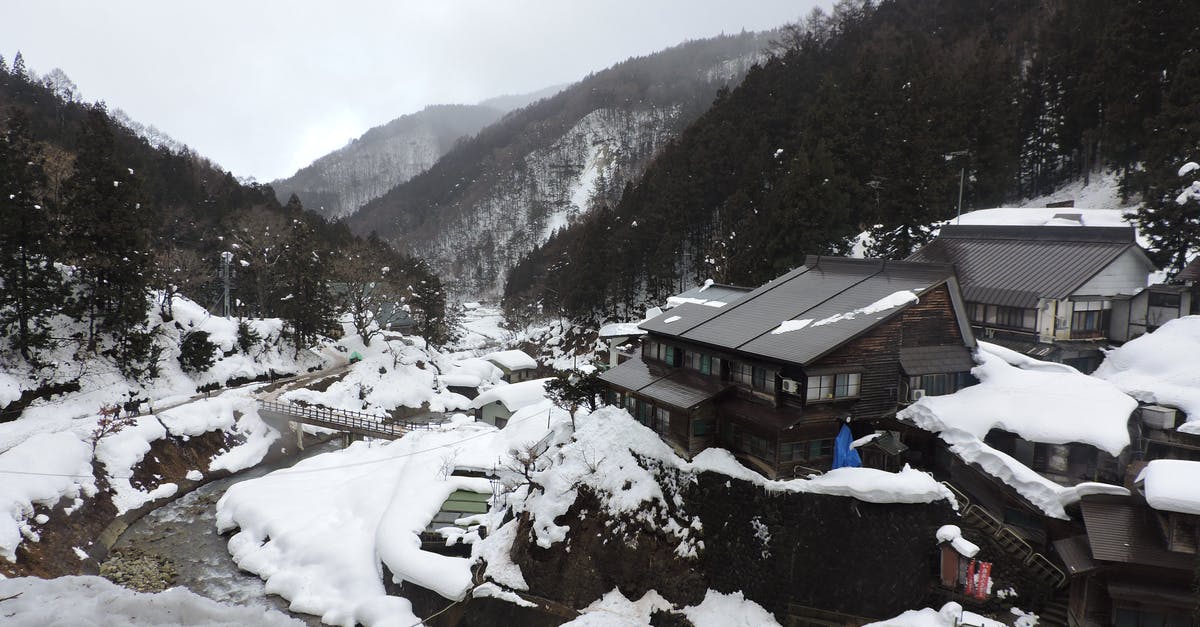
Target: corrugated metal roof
{"type": "Point", "coordinates": [677, 387]}
{"type": "Point", "coordinates": [1120, 530]}
{"type": "Point", "coordinates": [1190, 272]}
{"type": "Point", "coordinates": [728, 294]}
{"type": "Point", "coordinates": [635, 374]}
{"type": "Point", "coordinates": [1014, 266]}
{"type": "Point", "coordinates": [919, 360]}
{"type": "Point", "coordinates": [1075, 554]}
{"type": "Point", "coordinates": [823, 288]}
{"type": "Point", "coordinates": [684, 389]}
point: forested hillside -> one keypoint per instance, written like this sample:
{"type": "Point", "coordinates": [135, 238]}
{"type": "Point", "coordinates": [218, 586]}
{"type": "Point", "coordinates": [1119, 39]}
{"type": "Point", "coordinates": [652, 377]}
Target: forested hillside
{"type": "Point", "coordinates": [337, 184]}
{"type": "Point", "coordinates": [97, 226]}
{"type": "Point", "coordinates": [496, 196]}
{"type": "Point", "coordinates": [864, 119]}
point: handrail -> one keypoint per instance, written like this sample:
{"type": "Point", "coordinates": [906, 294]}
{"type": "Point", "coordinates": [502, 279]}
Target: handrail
{"type": "Point", "coordinates": [1046, 564]}
{"type": "Point", "coordinates": [958, 494]}
{"type": "Point", "coordinates": [345, 418]}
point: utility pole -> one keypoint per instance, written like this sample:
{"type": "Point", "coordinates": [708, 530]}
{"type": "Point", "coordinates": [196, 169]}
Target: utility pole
{"type": "Point", "coordinates": [962, 177]}
{"type": "Point", "coordinates": [226, 257]}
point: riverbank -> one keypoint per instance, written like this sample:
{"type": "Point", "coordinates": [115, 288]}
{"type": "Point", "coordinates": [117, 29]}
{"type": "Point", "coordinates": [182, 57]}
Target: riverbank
{"type": "Point", "coordinates": [73, 538]}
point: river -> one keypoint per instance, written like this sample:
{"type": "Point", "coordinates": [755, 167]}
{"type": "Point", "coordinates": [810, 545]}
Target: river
{"type": "Point", "coordinates": [185, 532]}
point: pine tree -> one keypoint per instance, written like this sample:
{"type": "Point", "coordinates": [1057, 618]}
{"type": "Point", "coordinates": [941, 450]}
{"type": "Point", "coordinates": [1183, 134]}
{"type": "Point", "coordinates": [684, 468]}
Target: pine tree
{"type": "Point", "coordinates": [1172, 139]}
{"type": "Point", "coordinates": [307, 307]}
{"type": "Point", "coordinates": [31, 288]}
{"type": "Point", "coordinates": [109, 233]}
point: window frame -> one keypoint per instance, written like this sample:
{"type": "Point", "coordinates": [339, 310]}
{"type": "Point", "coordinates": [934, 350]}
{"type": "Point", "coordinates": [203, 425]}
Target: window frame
{"type": "Point", "coordinates": [828, 386]}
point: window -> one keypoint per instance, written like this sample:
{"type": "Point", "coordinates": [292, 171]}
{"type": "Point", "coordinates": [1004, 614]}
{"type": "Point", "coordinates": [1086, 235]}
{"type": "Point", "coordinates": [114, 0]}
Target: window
{"type": "Point", "coordinates": [1090, 318]}
{"type": "Point", "coordinates": [662, 420]}
{"type": "Point", "coordinates": [702, 427]}
{"type": "Point", "coordinates": [668, 355]}
{"type": "Point", "coordinates": [698, 361]}
{"type": "Point", "coordinates": [827, 387]}
{"type": "Point", "coordinates": [938, 384]}
{"type": "Point", "coordinates": [793, 452]}
{"type": "Point", "coordinates": [820, 448]}
{"type": "Point", "coordinates": [741, 373]}
{"type": "Point", "coordinates": [649, 349]}
{"type": "Point", "coordinates": [976, 312]}
{"type": "Point", "coordinates": [1013, 317]}
{"type": "Point", "coordinates": [760, 379]}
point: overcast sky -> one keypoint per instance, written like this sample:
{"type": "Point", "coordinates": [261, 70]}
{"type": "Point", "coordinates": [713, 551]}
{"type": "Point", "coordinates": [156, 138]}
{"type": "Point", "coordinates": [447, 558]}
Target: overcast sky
{"type": "Point", "coordinates": [265, 87]}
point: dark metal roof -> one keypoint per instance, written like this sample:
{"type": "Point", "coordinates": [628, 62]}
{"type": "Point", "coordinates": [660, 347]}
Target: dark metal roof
{"type": "Point", "coordinates": [822, 288]}
{"type": "Point", "coordinates": [684, 389]}
{"type": "Point", "coordinates": [1142, 592]}
{"type": "Point", "coordinates": [635, 374]}
{"type": "Point", "coordinates": [1015, 265]}
{"type": "Point", "coordinates": [675, 387]}
{"type": "Point", "coordinates": [1122, 530]}
{"type": "Point", "coordinates": [1075, 554]}
{"type": "Point", "coordinates": [768, 419]}
{"type": "Point", "coordinates": [918, 360]}
{"type": "Point", "coordinates": [719, 292]}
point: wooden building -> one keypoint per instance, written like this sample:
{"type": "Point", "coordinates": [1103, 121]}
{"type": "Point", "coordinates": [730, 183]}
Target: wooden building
{"type": "Point", "coordinates": [1046, 291]}
{"type": "Point", "coordinates": [774, 375]}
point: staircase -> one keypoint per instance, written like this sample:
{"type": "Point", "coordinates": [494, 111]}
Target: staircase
{"type": "Point", "coordinates": [1009, 541]}
{"type": "Point", "coordinates": [1055, 613]}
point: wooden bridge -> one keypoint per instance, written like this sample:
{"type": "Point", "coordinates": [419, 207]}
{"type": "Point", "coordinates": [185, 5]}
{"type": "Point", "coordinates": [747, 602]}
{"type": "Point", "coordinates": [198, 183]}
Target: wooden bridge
{"type": "Point", "coordinates": [346, 421]}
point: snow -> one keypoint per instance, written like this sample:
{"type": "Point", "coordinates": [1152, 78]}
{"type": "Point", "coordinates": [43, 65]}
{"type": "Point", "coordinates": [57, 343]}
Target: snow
{"type": "Point", "coordinates": [953, 535]}
{"type": "Point", "coordinates": [675, 301]}
{"type": "Point", "coordinates": [94, 601]}
{"type": "Point", "coordinates": [512, 360]}
{"type": "Point", "coordinates": [1038, 401]}
{"type": "Point", "coordinates": [728, 610]}
{"type": "Point", "coordinates": [194, 475]}
{"type": "Point", "coordinates": [716, 610]}
{"type": "Point", "coordinates": [513, 396]}
{"type": "Point", "coordinates": [891, 301]}
{"type": "Point", "coordinates": [866, 439]}
{"type": "Point", "coordinates": [671, 319]}
{"type": "Point", "coordinates": [621, 329]}
{"type": "Point", "coordinates": [948, 616]}
{"type": "Point", "coordinates": [1161, 367]}
{"type": "Point", "coordinates": [490, 589]}
{"type": "Point", "coordinates": [626, 487]}
{"type": "Point", "coordinates": [1170, 485]}
{"type": "Point", "coordinates": [319, 531]}
{"type": "Point", "coordinates": [1188, 168]}
{"type": "Point", "coordinates": [791, 325]}
{"type": "Point", "coordinates": [42, 470]}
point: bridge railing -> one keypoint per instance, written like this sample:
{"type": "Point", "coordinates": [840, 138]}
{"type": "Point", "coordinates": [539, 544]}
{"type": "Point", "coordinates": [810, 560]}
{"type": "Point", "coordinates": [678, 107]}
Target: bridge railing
{"type": "Point", "coordinates": [346, 418]}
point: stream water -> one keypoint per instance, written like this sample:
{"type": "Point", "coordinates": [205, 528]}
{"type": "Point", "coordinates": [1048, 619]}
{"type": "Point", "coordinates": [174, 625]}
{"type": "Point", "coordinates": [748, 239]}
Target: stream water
{"type": "Point", "coordinates": [185, 532]}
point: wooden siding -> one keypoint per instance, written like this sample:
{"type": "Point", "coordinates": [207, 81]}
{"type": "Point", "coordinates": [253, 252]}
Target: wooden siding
{"type": "Point", "coordinates": [931, 322]}
{"type": "Point", "coordinates": [1125, 275]}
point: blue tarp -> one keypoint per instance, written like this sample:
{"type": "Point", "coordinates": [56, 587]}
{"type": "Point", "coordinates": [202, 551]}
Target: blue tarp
{"type": "Point", "coordinates": [843, 455]}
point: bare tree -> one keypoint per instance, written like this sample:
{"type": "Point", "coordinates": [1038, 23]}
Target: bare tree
{"type": "Point", "coordinates": [178, 270]}
{"type": "Point", "coordinates": [259, 238]}
{"type": "Point", "coordinates": [365, 289]}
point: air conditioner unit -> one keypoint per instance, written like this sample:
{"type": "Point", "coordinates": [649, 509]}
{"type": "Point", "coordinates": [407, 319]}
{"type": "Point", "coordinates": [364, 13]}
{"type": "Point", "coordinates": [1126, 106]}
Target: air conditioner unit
{"type": "Point", "coordinates": [916, 394]}
{"type": "Point", "coordinates": [1158, 417]}
{"type": "Point", "coordinates": [791, 386]}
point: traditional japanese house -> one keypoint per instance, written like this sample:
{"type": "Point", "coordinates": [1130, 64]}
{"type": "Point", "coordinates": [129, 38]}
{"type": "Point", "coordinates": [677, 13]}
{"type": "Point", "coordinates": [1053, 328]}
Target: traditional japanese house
{"type": "Point", "coordinates": [1046, 291]}
{"type": "Point", "coordinates": [1136, 563]}
{"type": "Point", "coordinates": [774, 375]}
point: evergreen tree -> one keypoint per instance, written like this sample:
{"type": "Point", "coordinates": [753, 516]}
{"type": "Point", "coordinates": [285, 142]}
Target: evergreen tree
{"type": "Point", "coordinates": [109, 235]}
{"type": "Point", "coordinates": [31, 288]}
{"type": "Point", "coordinates": [307, 306]}
{"type": "Point", "coordinates": [1171, 220]}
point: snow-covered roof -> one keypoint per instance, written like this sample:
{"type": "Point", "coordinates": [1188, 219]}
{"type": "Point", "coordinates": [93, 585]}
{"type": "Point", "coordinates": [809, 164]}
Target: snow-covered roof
{"type": "Point", "coordinates": [621, 329]}
{"type": "Point", "coordinates": [1039, 401]}
{"type": "Point", "coordinates": [512, 360]}
{"type": "Point", "coordinates": [1046, 216]}
{"type": "Point", "coordinates": [513, 396]}
{"type": "Point", "coordinates": [953, 535]}
{"type": "Point", "coordinates": [1161, 367]}
{"type": "Point", "coordinates": [1170, 485]}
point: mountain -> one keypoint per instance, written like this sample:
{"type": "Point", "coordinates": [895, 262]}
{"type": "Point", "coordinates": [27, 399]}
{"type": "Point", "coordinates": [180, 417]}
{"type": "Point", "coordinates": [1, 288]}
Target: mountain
{"type": "Point", "coordinates": [873, 119]}
{"type": "Point", "coordinates": [494, 197]}
{"type": "Point", "coordinates": [337, 184]}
